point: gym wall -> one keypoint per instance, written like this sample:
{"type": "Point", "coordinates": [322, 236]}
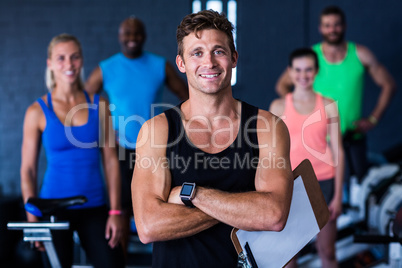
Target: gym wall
{"type": "Point", "coordinates": [267, 32]}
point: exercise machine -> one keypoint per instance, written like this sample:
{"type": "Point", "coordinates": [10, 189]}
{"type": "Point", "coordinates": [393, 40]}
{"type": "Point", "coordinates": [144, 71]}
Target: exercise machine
{"type": "Point", "coordinates": [41, 230]}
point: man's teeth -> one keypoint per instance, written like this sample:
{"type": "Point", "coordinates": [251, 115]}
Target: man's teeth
{"type": "Point", "coordinates": [209, 75]}
{"type": "Point", "coordinates": [131, 44]}
{"type": "Point", "coordinates": [69, 72]}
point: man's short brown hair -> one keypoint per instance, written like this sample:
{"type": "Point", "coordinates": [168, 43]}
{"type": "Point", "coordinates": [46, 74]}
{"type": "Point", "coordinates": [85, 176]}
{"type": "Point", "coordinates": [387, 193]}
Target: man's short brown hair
{"type": "Point", "coordinates": [204, 20]}
{"type": "Point", "coordinates": [334, 10]}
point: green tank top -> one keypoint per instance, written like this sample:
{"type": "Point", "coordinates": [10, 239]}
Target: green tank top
{"type": "Point", "coordinates": [343, 82]}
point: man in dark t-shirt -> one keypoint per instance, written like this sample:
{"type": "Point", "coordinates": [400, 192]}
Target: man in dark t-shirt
{"type": "Point", "coordinates": [212, 163]}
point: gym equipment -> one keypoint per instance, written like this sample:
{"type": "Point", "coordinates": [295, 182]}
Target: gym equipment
{"type": "Point", "coordinates": [41, 231]}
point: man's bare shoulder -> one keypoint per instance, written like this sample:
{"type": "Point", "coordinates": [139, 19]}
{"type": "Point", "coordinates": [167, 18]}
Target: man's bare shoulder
{"type": "Point", "coordinates": [271, 122]}
{"type": "Point", "coordinates": [154, 132]}
{"type": "Point", "coordinates": [159, 121]}
{"type": "Point", "coordinates": [362, 49]}
{"type": "Point", "coordinates": [273, 135]}
{"type": "Point", "coordinates": [365, 55]}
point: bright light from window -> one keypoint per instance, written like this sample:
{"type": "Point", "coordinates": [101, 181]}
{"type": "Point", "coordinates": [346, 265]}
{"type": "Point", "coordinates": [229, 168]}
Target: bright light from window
{"type": "Point", "coordinates": [196, 6]}
{"type": "Point", "coordinates": [232, 17]}
{"type": "Point", "coordinates": [215, 5]}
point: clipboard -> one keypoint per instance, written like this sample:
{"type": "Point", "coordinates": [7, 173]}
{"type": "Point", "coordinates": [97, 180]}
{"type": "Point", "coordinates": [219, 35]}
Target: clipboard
{"type": "Point", "coordinates": [307, 187]}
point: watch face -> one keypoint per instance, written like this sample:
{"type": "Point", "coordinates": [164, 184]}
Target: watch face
{"type": "Point", "coordinates": [186, 189]}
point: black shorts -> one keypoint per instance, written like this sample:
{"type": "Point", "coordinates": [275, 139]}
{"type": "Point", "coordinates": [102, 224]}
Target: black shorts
{"type": "Point", "coordinates": [327, 188]}
{"type": "Point", "coordinates": [90, 224]}
{"type": "Point", "coordinates": [127, 163]}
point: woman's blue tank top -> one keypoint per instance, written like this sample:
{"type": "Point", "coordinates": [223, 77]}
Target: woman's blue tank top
{"type": "Point", "coordinates": [73, 156]}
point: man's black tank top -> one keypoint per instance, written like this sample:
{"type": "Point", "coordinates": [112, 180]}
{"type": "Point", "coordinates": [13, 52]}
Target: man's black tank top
{"type": "Point", "coordinates": [231, 170]}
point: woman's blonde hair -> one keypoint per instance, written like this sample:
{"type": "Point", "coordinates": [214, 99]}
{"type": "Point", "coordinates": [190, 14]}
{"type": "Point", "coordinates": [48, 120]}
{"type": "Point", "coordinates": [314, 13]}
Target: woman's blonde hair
{"type": "Point", "coordinates": [62, 38]}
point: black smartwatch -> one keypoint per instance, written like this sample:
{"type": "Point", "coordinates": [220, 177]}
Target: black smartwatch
{"type": "Point", "coordinates": [187, 193]}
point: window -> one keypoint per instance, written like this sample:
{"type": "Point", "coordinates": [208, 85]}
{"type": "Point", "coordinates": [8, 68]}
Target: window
{"type": "Point", "coordinates": [231, 12]}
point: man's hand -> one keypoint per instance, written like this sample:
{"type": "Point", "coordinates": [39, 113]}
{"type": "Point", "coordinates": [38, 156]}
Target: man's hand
{"type": "Point", "coordinates": [174, 196]}
{"type": "Point", "coordinates": [364, 125]}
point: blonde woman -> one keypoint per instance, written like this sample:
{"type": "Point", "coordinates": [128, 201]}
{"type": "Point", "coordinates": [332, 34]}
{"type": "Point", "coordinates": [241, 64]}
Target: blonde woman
{"type": "Point", "coordinates": [71, 126]}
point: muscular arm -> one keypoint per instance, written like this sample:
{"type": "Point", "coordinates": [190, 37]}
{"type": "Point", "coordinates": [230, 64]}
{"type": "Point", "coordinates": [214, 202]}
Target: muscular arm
{"type": "Point", "coordinates": [175, 83]}
{"type": "Point", "coordinates": [29, 155]}
{"type": "Point", "coordinates": [95, 81]}
{"type": "Point", "coordinates": [156, 219]}
{"type": "Point", "coordinates": [267, 208]}
{"type": "Point", "coordinates": [336, 146]}
{"type": "Point", "coordinates": [380, 76]}
{"type": "Point", "coordinates": [284, 84]}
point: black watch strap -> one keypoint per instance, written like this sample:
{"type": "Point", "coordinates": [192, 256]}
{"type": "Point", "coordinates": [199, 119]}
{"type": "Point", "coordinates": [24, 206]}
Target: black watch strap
{"type": "Point", "coordinates": [188, 203]}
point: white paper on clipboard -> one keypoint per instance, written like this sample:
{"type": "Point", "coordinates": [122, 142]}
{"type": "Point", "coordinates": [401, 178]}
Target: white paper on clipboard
{"type": "Point", "coordinates": [276, 249]}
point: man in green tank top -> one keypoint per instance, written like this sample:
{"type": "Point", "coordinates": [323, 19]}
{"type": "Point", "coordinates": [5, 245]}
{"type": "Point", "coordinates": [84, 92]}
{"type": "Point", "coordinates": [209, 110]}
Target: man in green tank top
{"type": "Point", "coordinates": [342, 65]}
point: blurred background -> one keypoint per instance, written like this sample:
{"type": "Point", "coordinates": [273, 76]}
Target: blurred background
{"type": "Point", "coordinates": [266, 32]}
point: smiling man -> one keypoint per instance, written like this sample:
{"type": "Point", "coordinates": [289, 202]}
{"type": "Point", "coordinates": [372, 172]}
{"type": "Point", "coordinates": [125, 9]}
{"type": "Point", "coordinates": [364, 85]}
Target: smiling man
{"type": "Point", "coordinates": [188, 213]}
{"type": "Point", "coordinates": [133, 79]}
